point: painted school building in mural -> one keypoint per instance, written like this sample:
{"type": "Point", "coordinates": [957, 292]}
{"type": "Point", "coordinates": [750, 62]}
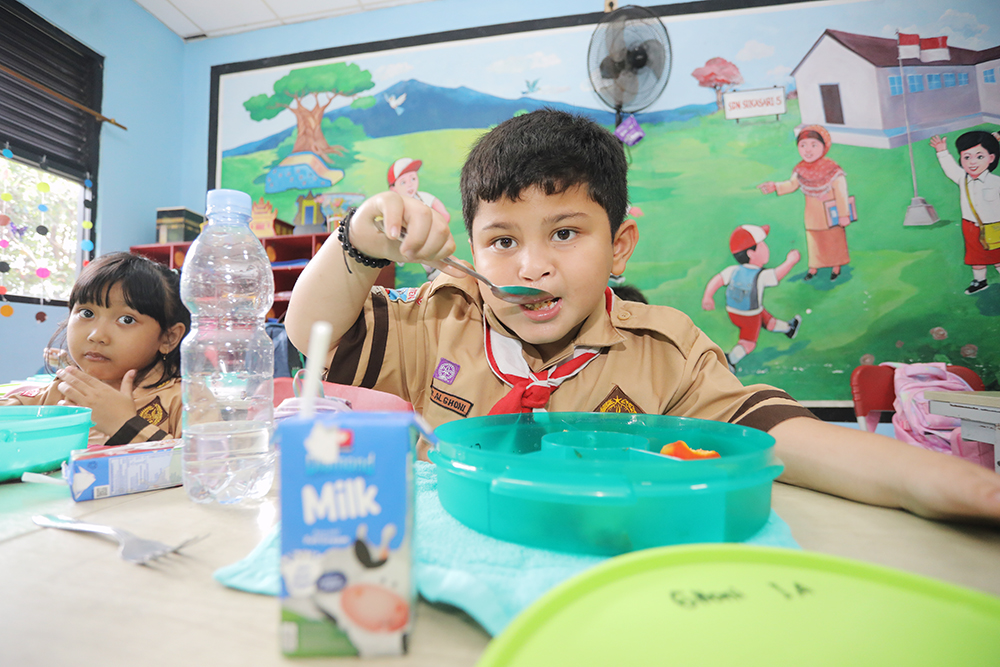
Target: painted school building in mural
{"type": "Point", "coordinates": [863, 93]}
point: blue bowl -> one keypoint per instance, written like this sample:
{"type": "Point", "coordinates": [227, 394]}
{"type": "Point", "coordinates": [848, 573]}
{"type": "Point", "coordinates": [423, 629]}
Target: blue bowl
{"type": "Point", "coordinates": [595, 483]}
{"type": "Point", "coordinates": [38, 438]}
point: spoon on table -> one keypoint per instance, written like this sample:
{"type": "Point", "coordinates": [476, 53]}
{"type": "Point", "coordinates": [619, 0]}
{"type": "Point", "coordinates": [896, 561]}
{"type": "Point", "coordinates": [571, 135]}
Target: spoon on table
{"type": "Point", "coordinates": [510, 293]}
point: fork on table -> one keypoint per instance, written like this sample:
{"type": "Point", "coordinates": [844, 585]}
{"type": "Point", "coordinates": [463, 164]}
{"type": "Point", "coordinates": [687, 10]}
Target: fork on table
{"type": "Point", "coordinates": [133, 549]}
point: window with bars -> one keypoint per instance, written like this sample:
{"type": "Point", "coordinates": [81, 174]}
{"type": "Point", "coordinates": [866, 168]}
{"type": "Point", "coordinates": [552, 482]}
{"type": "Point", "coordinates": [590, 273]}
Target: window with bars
{"type": "Point", "coordinates": [49, 148]}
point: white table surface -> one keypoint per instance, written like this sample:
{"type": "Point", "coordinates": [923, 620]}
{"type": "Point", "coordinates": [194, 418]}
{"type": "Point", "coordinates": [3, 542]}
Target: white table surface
{"type": "Point", "coordinates": [67, 600]}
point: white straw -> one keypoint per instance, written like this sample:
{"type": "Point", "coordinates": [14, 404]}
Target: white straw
{"type": "Point", "coordinates": [44, 479]}
{"type": "Point", "coordinates": [319, 347]}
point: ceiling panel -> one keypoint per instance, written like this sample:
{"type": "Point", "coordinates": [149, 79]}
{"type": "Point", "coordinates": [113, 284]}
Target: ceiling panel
{"type": "Point", "coordinates": [212, 18]}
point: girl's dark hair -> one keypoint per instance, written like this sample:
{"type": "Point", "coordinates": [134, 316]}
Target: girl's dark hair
{"type": "Point", "coordinates": [810, 134]}
{"type": "Point", "coordinates": [147, 286]}
{"type": "Point", "coordinates": [980, 138]}
{"type": "Point", "coordinates": [552, 150]}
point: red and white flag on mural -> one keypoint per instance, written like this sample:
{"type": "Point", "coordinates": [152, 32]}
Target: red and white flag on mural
{"type": "Point", "coordinates": [933, 49]}
{"type": "Point", "coordinates": [909, 46]}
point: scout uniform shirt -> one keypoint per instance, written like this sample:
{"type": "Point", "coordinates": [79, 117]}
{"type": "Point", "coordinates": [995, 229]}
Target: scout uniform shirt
{"type": "Point", "coordinates": [426, 345]}
{"type": "Point", "coordinates": [158, 411]}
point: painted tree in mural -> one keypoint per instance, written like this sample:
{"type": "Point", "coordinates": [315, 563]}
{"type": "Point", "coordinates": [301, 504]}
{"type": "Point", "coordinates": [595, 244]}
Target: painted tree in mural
{"type": "Point", "coordinates": [720, 75]}
{"type": "Point", "coordinates": [307, 93]}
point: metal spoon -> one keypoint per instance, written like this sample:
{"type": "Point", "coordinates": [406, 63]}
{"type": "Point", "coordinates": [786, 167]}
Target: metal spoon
{"type": "Point", "coordinates": [510, 293]}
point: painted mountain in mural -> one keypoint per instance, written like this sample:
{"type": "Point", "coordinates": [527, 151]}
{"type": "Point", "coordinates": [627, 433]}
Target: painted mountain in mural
{"type": "Point", "coordinates": [412, 106]}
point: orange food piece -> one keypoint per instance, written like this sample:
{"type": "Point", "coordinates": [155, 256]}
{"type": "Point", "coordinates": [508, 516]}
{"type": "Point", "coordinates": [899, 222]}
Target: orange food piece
{"type": "Point", "coordinates": [680, 450]}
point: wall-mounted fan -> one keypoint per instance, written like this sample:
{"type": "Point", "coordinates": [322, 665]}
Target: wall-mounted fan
{"type": "Point", "coordinates": [629, 59]}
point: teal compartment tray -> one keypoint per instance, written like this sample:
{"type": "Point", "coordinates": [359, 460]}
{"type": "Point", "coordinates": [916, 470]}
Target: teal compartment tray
{"type": "Point", "coordinates": [595, 483]}
{"type": "Point", "coordinates": [38, 438]}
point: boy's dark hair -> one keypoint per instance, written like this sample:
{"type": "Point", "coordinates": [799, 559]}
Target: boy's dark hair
{"type": "Point", "coordinates": [629, 293]}
{"type": "Point", "coordinates": [552, 150]}
{"type": "Point", "coordinates": [149, 287]}
{"type": "Point", "coordinates": [743, 256]}
{"type": "Point", "coordinates": [980, 138]}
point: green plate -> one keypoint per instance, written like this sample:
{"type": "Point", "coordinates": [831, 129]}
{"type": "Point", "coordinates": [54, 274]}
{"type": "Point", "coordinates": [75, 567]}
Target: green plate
{"type": "Point", "coordinates": [741, 606]}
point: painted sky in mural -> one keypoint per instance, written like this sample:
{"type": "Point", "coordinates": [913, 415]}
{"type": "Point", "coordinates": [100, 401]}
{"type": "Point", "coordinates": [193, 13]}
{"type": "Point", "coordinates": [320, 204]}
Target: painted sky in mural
{"type": "Point", "coordinates": [766, 44]}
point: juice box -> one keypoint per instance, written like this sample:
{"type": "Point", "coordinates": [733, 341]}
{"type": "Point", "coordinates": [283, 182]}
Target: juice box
{"type": "Point", "coordinates": [346, 531]}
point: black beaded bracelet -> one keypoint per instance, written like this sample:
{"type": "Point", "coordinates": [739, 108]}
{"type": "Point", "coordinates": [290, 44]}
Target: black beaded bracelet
{"type": "Point", "coordinates": [344, 236]}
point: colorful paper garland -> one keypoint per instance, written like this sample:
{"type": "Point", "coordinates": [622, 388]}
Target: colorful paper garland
{"type": "Point", "coordinates": [9, 228]}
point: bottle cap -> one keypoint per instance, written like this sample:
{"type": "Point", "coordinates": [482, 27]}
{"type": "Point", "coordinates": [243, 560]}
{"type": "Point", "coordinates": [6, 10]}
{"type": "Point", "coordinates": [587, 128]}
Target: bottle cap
{"type": "Point", "coordinates": [228, 201]}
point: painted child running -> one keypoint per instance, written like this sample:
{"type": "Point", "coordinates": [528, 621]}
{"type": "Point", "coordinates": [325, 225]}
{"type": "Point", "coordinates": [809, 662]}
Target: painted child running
{"type": "Point", "coordinates": [745, 283]}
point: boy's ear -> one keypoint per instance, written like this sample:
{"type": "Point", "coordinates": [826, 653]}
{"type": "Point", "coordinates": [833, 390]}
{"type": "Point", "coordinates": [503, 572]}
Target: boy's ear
{"type": "Point", "coordinates": [171, 338]}
{"type": "Point", "coordinates": [624, 245]}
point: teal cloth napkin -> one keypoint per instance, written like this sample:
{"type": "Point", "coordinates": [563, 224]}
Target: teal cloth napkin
{"type": "Point", "coordinates": [489, 579]}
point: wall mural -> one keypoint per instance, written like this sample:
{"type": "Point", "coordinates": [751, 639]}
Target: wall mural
{"type": "Point", "coordinates": [819, 151]}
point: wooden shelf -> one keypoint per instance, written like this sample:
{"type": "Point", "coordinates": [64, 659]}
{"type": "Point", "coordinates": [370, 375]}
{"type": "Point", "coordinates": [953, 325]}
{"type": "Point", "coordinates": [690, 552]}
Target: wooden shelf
{"type": "Point", "coordinates": [279, 249]}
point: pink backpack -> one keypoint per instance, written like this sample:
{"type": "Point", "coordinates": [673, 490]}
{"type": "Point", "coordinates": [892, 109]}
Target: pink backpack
{"type": "Point", "coordinates": [913, 422]}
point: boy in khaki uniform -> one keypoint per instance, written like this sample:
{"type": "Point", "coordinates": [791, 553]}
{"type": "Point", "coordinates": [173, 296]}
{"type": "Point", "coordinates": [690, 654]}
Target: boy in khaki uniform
{"type": "Point", "coordinates": [544, 201]}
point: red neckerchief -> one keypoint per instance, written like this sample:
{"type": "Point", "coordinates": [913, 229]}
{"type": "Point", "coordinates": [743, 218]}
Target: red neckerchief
{"type": "Point", "coordinates": [530, 391]}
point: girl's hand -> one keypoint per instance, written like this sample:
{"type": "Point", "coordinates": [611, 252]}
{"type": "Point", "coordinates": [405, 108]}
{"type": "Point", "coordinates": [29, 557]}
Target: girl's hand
{"type": "Point", "coordinates": [939, 143]}
{"type": "Point", "coordinates": [767, 188]}
{"type": "Point", "coordinates": [110, 408]}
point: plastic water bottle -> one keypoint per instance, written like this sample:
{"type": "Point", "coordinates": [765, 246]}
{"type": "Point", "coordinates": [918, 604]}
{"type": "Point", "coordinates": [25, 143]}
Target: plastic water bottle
{"type": "Point", "coordinates": [227, 360]}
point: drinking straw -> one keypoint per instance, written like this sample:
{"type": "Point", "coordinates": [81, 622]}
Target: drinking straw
{"type": "Point", "coordinates": [319, 347]}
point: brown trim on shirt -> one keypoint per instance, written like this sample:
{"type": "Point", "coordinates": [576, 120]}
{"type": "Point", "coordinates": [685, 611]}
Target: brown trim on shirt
{"type": "Point", "coordinates": [756, 398]}
{"type": "Point", "coordinates": [380, 334]}
{"type": "Point", "coordinates": [345, 362]}
{"type": "Point", "coordinates": [766, 417]}
{"type": "Point", "coordinates": [130, 430]}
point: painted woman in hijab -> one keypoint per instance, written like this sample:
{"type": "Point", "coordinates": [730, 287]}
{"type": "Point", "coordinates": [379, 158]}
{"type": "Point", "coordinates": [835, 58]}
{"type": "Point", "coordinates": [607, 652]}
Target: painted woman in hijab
{"type": "Point", "coordinates": [824, 185]}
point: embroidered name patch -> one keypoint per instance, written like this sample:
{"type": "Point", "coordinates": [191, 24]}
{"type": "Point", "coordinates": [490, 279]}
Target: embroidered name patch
{"type": "Point", "coordinates": [446, 371]}
{"type": "Point", "coordinates": [618, 401]}
{"type": "Point", "coordinates": [450, 402]}
{"type": "Point", "coordinates": [153, 412]}
{"type": "Point", "coordinates": [404, 295]}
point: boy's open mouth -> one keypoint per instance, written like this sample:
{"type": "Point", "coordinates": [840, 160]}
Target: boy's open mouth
{"type": "Point", "coordinates": [541, 305]}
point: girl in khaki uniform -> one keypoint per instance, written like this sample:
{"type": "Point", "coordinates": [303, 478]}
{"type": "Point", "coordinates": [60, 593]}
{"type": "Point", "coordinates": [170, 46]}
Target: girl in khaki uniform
{"type": "Point", "coordinates": [122, 357]}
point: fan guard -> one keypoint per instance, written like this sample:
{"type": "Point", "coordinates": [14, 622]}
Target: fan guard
{"type": "Point", "coordinates": [629, 59]}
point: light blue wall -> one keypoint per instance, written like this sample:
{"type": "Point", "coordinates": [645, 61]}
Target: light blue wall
{"type": "Point", "coordinates": [158, 86]}
{"type": "Point", "coordinates": [140, 169]}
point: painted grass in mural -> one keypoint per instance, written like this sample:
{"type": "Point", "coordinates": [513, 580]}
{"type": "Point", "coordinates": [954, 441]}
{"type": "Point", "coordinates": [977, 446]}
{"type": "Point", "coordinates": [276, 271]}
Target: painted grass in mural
{"type": "Point", "coordinates": [695, 181]}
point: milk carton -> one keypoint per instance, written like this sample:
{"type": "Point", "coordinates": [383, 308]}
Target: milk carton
{"type": "Point", "coordinates": [346, 524]}
{"type": "Point", "coordinates": [103, 472]}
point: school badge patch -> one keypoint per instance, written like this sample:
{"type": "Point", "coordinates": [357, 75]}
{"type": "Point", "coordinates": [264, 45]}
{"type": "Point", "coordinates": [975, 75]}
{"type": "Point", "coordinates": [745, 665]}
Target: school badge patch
{"type": "Point", "coordinates": [27, 392]}
{"type": "Point", "coordinates": [618, 401]}
{"type": "Point", "coordinates": [153, 412]}
{"type": "Point", "coordinates": [450, 402]}
{"type": "Point", "coordinates": [446, 371]}
{"type": "Point", "coordinates": [405, 295]}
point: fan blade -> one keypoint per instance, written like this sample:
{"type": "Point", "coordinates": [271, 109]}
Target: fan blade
{"type": "Point", "coordinates": [615, 39]}
{"type": "Point", "coordinates": [626, 87]}
{"type": "Point", "coordinates": [656, 56]}
{"type": "Point", "coordinates": [610, 68]}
